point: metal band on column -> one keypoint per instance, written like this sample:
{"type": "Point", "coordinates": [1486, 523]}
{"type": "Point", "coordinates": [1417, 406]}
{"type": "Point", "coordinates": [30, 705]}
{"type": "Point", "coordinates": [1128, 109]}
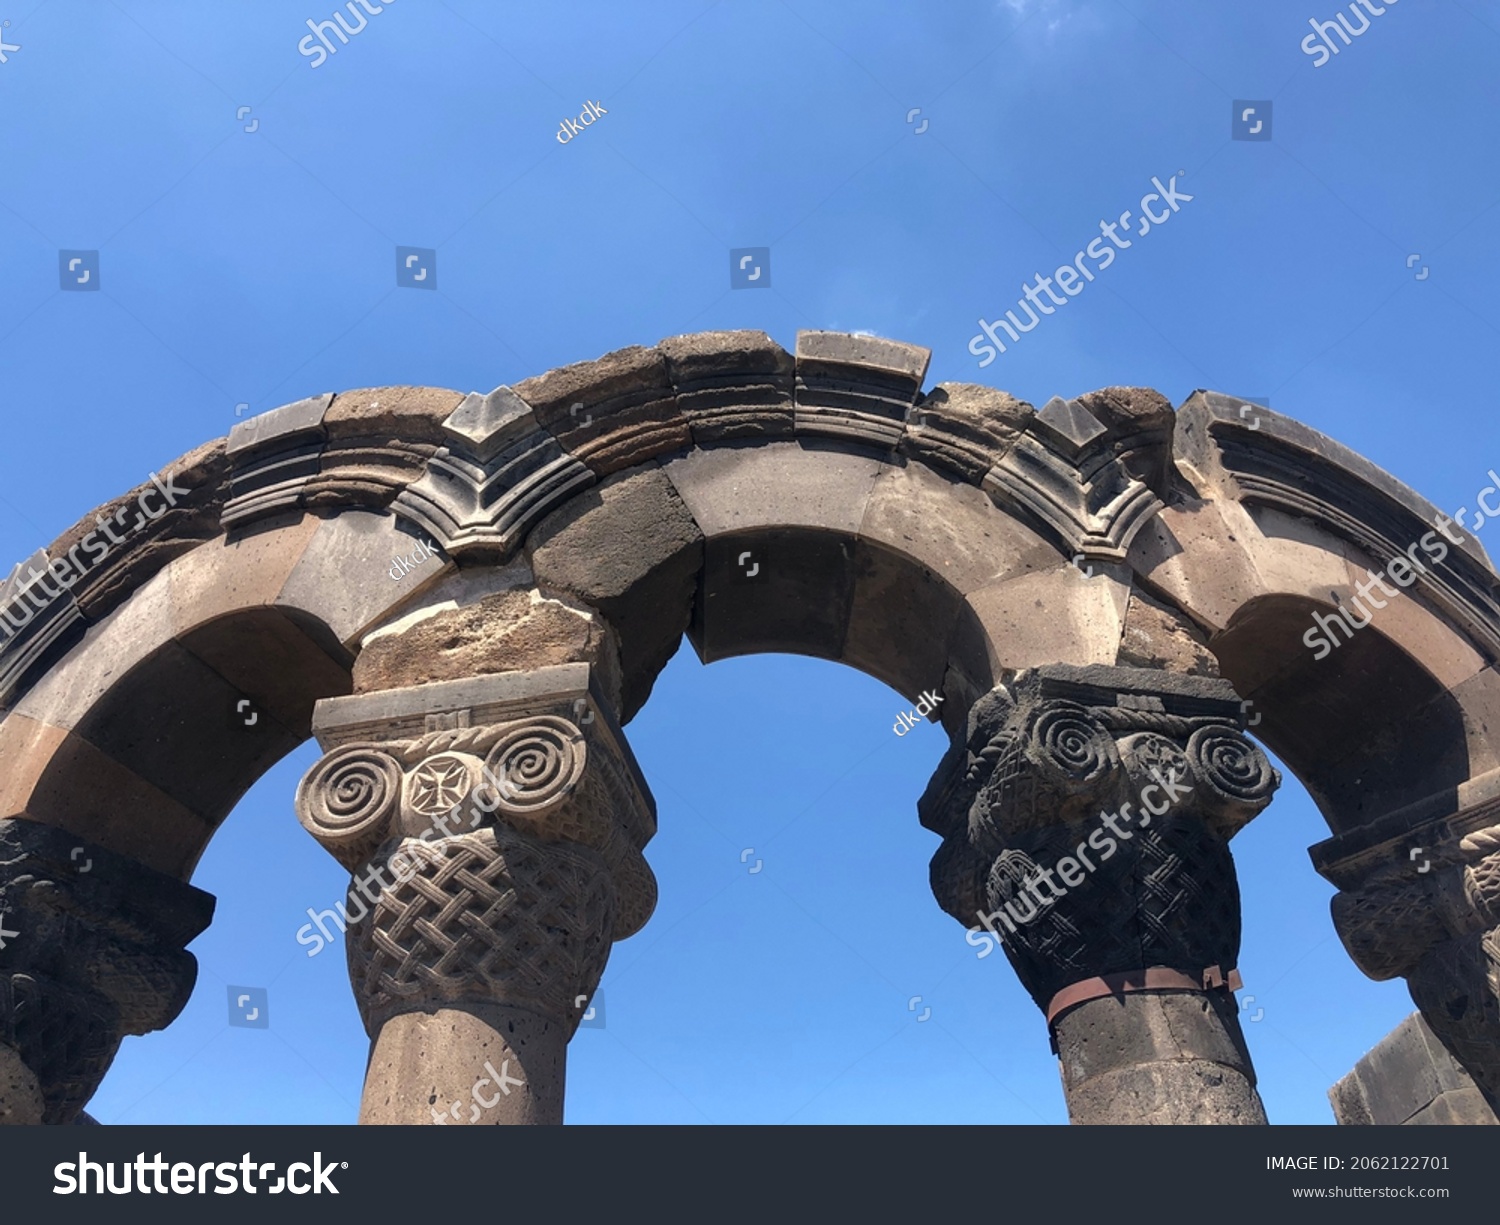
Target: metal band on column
{"type": "Point", "coordinates": [1086, 821]}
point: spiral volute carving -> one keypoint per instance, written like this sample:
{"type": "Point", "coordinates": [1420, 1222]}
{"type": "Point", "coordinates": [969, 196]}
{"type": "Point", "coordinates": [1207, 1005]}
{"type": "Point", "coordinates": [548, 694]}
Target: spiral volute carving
{"type": "Point", "coordinates": [1068, 743]}
{"type": "Point", "coordinates": [347, 801]}
{"type": "Point", "coordinates": [1232, 767]}
{"type": "Point", "coordinates": [535, 766]}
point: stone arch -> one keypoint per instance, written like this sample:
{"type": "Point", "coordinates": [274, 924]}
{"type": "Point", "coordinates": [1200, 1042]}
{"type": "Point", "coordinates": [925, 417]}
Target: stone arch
{"type": "Point", "coordinates": [468, 596]}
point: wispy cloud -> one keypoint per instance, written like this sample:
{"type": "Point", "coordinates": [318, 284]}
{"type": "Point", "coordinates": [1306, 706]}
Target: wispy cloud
{"type": "Point", "coordinates": [1057, 13]}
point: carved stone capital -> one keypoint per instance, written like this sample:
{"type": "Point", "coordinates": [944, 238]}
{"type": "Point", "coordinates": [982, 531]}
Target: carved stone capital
{"type": "Point", "coordinates": [1457, 987]}
{"type": "Point", "coordinates": [1400, 902]}
{"type": "Point", "coordinates": [91, 949]}
{"type": "Point", "coordinates": [1420, 899]}
{"type": "Point", "coordinates": [495, 831]}
{"type": "Point", "coordinates": [1389, 924]}
{"type": "Point", "coordinates": [1048, 831]}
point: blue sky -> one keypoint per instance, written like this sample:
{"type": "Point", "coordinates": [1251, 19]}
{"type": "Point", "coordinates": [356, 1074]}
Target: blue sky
{"type": "Point", "coordinates": [254, 267]}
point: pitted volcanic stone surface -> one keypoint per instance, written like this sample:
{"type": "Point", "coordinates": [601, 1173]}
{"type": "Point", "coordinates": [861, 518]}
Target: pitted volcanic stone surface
{"type": "Point", "coordinates": [509, 631]}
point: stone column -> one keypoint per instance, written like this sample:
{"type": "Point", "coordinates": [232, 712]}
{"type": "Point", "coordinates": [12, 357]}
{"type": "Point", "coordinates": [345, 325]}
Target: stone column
{"type": "Point", "coordinates": [494, 830]}
{"type": "Point", "coordinates": [92, 947]}
{"type": "Point", "coordinates": [1423, 903]}
{"type": "Point", "coordinates": [1086, 822]}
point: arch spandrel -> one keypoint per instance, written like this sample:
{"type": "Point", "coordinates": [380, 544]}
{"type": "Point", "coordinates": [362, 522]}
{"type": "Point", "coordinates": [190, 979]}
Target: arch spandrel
{"type": "Point", "coordinates": [1104, 551]}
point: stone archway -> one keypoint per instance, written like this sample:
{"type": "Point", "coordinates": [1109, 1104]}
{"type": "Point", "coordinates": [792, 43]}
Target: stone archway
{"type": "Point", "coordinates": [465, 598]}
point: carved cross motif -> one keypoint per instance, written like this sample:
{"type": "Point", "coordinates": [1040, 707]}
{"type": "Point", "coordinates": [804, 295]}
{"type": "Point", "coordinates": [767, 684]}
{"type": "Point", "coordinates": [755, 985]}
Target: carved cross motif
{"type": "Point", "coordinates": [439, 785]}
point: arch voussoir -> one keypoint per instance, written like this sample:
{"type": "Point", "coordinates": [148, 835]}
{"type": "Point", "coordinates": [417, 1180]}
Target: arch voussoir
{"type": "Point", "coordinates": [423, 575]}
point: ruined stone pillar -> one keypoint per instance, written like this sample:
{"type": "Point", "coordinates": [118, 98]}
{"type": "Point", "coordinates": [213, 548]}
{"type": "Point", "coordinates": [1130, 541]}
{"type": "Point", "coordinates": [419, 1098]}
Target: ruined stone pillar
{"type": "Point", "coordinates": [493, 828]}
{"type": "Point", "coordinates": [92, 948]}
{"type": "Point", "coordinates": [1086, 822]}
{"type": "Point", "coordinates": [1421, 900]}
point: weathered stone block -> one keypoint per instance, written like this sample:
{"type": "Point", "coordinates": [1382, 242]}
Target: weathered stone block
{"type": "Point", "coordinates": [612, 413]}
{"type": "Point", "coordinates": [1409, 1078]}
{"type": "Point", "coordinates": [731, 384]}
{"type": "Point", "coordinates": [1157, 636]}
{"type": "Point", "coordinates": [774, 590]}
{"type": "Point", "coordinates": [630, 548]}
{"type": "Point", "coordinates": [775, 485]}
{"type": "Point", "coordinates": [57, 778]}
{"type": "Point", "coordinates": [505, 632]}
{"type": "Point", "coordinates": [857, 389]}
{"type": "Point", "coordinates": [344, 576]}
{"type": "Point", "coordinates": [404, 414]}
{"type": "Point", "coordinates": [233, 573]}
{"type": "Point", "coordinates": [1047, 616]}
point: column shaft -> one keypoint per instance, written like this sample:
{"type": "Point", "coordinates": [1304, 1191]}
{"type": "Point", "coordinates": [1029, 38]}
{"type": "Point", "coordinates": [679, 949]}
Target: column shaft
{"type": "Point", "coordinates": [1086, 821]}
{"type": "Point", "coordinates": [494, 829]}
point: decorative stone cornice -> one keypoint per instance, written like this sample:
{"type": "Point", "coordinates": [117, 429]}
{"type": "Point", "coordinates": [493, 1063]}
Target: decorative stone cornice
{"type": "Point", "coordinates": [857, 389]}
{"type": "Point", "coordinates": [274, 458]}
{"type": "Point", "coordinates": [34, 620]}
{"type": "Point", "coordinates": [612, 413]}
{"type": "Point", "coordinates": [1074, 477]}
{"type": "Point", "coordinates": [1281, 464]}
{"type": "Point", "coordinates": [500, 473]}
{"type": "Point", "coordinates": [731, 385]}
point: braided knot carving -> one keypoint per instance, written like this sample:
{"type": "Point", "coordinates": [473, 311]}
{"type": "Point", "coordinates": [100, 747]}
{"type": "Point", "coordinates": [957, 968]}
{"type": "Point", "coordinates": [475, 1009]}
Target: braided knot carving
{"type": "Point", "coordinates": [1437, 924]}
{"type": "Point", "coordinates": [1405, 909]}
{"type": "Point", "coordinates": [495, 847]}
{"type": "Point", "coordinates": [1086, 822]}
{"type": "Point", "coordinates": [492, 917]}
{"type": "Point", "coordinates": [96, 952]}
